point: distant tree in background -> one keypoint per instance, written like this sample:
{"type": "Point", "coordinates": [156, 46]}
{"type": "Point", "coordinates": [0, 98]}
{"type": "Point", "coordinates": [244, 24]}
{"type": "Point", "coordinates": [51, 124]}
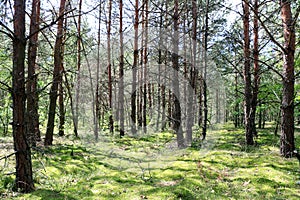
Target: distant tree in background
{"type": "Point", "coordinates": [57, 74]}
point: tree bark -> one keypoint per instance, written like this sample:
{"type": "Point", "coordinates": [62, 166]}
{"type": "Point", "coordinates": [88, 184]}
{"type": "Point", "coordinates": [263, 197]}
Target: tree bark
{"type": "Point", "coordinates": [97, 95]}
{"type": "Point", "coordinates": [205, 107]}
{"type": "Point", "coordinates": [134, 68]}
{"type": "Point", "coordinates": [287, 139]}
{"type": "Point", "coordinates": [160, 81]}
{"type": "Point", "coordinates": [57, 75]}
{"type": "Point", "coordinates": [62, 112]}
{"type": "Point", "coordinates": [176, 115]}
{"type": "Point", "coordinates": [61, 128]}
{"type": "Point", "coordinates": [256, 69]}
{"type": "Point", "coordinates": [32, 121]}
{"type": "Point", "coordinates": [121, 72]}
{"type": "Point", "coordinates": [192, 78]}
{"type": "Point", "coordinates": [78, 83]}
{"type": "Point", "coordinates": [24, 179]}
{"type": "Point", "coordinates": [111, 121]}
{"type": "Point", "coordinates": [145, 62]}
{"type": "Point", "coordinates": [247, 76]}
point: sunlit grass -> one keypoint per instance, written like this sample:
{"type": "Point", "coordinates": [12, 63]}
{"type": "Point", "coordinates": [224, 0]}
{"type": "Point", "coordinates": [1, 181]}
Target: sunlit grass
{"type": "Point", "coordinates": [149, 167]}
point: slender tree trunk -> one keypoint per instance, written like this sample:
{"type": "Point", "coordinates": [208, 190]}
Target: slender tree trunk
{"type": "Point", "coordinates": [260, 119]}
{"type": "Point", "coordinates": [62, 112]}
{"type": "Point", "coordinates": [287, 139]}
{"type": "Point", "coordinates": [121, 72]}
{"type": "Point", "coordinates": [24, 180]}
{"type": "Point", "coordinates": [78, 83]}
{"type": "Point", "coordinates": [176, 93]}
{"type": "Point", "coordinates": [32, 121]}
{"type": "Point", "coordinates": [111, 121]}
{"type": "Point", "coordinates": [141, 71]}
{"type": "Point", "coordinates": [277, 121]}
{"type": "Point", "coordinates": [190, 101]}
{"type": "Point", "coordinates": [57, 75]}
{"type": "Point", "coordinates": [256, 69]}
{"type": "Point", "coordinates": [247, 76]}
{"type": "Point", "coordinates": [61, 128]}
{"type": "Point", "coordinates": [217, 106]}
{"type": "Point", "coordinates": [205, 107]}
{"type": "Point", "coordinates": [70, 96]}
{"type": "Point", "coordinates": [186, 66]}
{"type": "Point", "coordinates": [97, 95]}
{"type": "Point", "coordinates": [134, 68]}
{"type": "Point", "coordinates": [95, 123]}
{"type": "Point", "coordinates": [145, 61]}
{"type": "Point", "coordinates": [237, 105]}
{"type": "Point", "coordinates": [160, 81]}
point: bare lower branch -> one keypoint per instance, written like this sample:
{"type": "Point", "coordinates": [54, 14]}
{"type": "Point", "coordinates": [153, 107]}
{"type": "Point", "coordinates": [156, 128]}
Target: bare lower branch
{"type": "Point", "coordinates": [10, 33]}
{"type": "Point", "coordinates": [9, 155]}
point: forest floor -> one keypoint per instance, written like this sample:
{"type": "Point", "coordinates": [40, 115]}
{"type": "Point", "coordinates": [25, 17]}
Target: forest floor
{"type": "Point", "coordinates": [151, 167]}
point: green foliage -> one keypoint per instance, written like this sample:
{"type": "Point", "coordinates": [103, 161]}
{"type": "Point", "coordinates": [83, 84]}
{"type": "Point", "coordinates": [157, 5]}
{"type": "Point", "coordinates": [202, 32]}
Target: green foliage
{"type": "Point", "coordinates": [150, 167]}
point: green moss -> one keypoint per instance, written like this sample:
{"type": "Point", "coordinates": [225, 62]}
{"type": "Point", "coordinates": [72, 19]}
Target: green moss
{"type": "Point", "coordinates": [221, 167]}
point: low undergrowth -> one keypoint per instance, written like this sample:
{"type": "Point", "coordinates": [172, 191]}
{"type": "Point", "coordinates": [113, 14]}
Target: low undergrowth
{"type": "Point", "coordinates": [151, 167]}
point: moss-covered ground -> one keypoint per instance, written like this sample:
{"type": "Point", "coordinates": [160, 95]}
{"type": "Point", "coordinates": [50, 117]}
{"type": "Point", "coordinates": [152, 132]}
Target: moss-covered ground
{"type": "Point", "coordinates": [151, 167]}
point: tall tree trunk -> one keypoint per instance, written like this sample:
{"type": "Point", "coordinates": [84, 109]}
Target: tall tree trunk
{"type": "Point", "coordinates": [134, 68]}
{"type": "Point", "coordinates": [121, 72]}
{"type": "Point", "coordinates": [61, 105]}
{"type": "Point", "coordinates": [247, 76]}
{"type": "Point", "coordinates": [97, 95]}
{"type": "Point", "coordinates": [205, 107]}
{"type": "Point", "coordinates": [145, 62]}
{"type": "Point", "coordinates": [141, 71]}
{"type": "Point", "coordinates": [24, 180]}
{"type": "Point", "coordinates": [287, 139]}
{"type": "Point", "coordinates": [111, 121]}
{"type": "Point", "coordinates": [78, 82]}
{"type": "Point", "coordinates": [176, 92]}
{"type": "Point", "coordinates": [57, 75]}
{"type": "Point", "coordinates": [32, 121]}
{"type": "Point", "coordinates": [160, 81]}
{"type": "Point", "coordinates": [192, 78]}
{"type": "Point", "coordinates": [256, 69]}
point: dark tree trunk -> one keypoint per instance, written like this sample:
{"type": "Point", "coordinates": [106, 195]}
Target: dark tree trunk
{"type": "Point", "coordinates": [287, 139]}
{"type": "Point", "coordinates": [145, 62]}
{"type": "Point", "coordinates": [247, 76]}
{"type": "Point", "coordinates": [121, 73]}
{"type": "Point", "coordinates": [134, 68]}
{"type": "Point", "coordinates": [61, 96]}
{"type": "Point", "coordinates": [24, 180]}
{"type": "Point", "coordinates": [111, 121]}
{"type": "Point", "coordinates": [160, 81]}
{"type": "Point", "coordinates": [32, 121]}
{"type": "Point", "coordinates": [57, 75]}
{"type": "Point", "coordinates": [205, 106]}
